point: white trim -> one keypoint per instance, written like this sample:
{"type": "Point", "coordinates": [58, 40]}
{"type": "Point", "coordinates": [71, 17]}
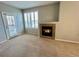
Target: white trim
{"type": "Point", "coordinates": [67, 41]}
{"type": "Point", "coordinates": [3, 41]}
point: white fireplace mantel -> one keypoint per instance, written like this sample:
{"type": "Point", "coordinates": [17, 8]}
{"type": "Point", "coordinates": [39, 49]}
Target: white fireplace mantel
{"type": "Point", "coordinates": [48, 23]}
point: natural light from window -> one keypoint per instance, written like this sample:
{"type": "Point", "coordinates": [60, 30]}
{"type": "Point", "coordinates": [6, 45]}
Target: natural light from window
{"type": "Point", "coordinates": [11, 25]}
{"type": "Point", "coordinates": [31, 19]}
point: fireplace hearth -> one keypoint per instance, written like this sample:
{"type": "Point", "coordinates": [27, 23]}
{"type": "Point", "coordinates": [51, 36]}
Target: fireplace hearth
{"type": "Point", "coordinates": [47, 30]}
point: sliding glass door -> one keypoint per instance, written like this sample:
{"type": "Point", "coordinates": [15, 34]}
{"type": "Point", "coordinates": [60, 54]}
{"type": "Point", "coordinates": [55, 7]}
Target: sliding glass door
{"type": "Point", "coordinates": [10, 25]}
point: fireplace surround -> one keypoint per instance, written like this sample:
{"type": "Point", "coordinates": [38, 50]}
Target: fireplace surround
{"type": "Point", "coordinates": [47, 30]}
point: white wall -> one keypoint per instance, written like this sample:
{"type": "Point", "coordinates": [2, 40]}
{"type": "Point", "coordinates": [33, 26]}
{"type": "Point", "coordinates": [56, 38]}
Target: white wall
{"type": "Point", "coordinates": [16, 13]}
{"type": "Point", "coordinates": [46, 13]}
{"type": "Point", "coordinates": [68, 26]}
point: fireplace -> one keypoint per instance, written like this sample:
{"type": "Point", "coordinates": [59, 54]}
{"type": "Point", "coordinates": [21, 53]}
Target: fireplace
{"type": "Point", "coordinates": [47, 30]}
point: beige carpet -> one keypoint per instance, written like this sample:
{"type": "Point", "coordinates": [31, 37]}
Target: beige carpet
{"type": "Point", "coordinates": [32, 46]}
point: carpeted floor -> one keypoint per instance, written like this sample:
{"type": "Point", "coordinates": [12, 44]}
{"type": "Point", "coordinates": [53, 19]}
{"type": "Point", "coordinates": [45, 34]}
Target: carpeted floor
{"type": "Point", "coordinates": [33, 46]}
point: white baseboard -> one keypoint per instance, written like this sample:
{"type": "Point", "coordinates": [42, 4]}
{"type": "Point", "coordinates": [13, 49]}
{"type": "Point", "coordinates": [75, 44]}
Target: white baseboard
{"type": "Point", "coordinates": [67, 41]}
{"type": "Point", "coordinates": [3, 41]}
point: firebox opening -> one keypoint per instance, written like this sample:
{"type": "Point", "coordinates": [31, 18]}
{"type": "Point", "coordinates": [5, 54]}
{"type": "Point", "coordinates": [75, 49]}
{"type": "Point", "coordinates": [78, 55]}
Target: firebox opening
{"type": "Point", "coordinates": [46, 31]}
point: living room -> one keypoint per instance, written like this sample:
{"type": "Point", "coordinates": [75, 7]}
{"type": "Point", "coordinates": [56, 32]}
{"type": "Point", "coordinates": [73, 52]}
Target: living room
{"type": "Point", "coordinates": [39, 28]}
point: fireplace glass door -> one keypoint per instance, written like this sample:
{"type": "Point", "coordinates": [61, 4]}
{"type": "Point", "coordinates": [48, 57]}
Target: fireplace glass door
{"type": "Point", "coordinates": [47, 31]}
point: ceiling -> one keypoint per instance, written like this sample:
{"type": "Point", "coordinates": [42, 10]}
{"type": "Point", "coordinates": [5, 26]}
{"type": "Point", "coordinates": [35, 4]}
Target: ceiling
{"type": "Point", "coordinates": [27, 4]}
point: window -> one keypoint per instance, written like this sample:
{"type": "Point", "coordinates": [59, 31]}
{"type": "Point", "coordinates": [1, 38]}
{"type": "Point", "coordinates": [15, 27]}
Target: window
{"type": "Point", "coordinates": [10, 20]}
{"type": "Point", "coordinates": [31, 19]}
{"type": "Point", "coordinates": [11, 25]}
